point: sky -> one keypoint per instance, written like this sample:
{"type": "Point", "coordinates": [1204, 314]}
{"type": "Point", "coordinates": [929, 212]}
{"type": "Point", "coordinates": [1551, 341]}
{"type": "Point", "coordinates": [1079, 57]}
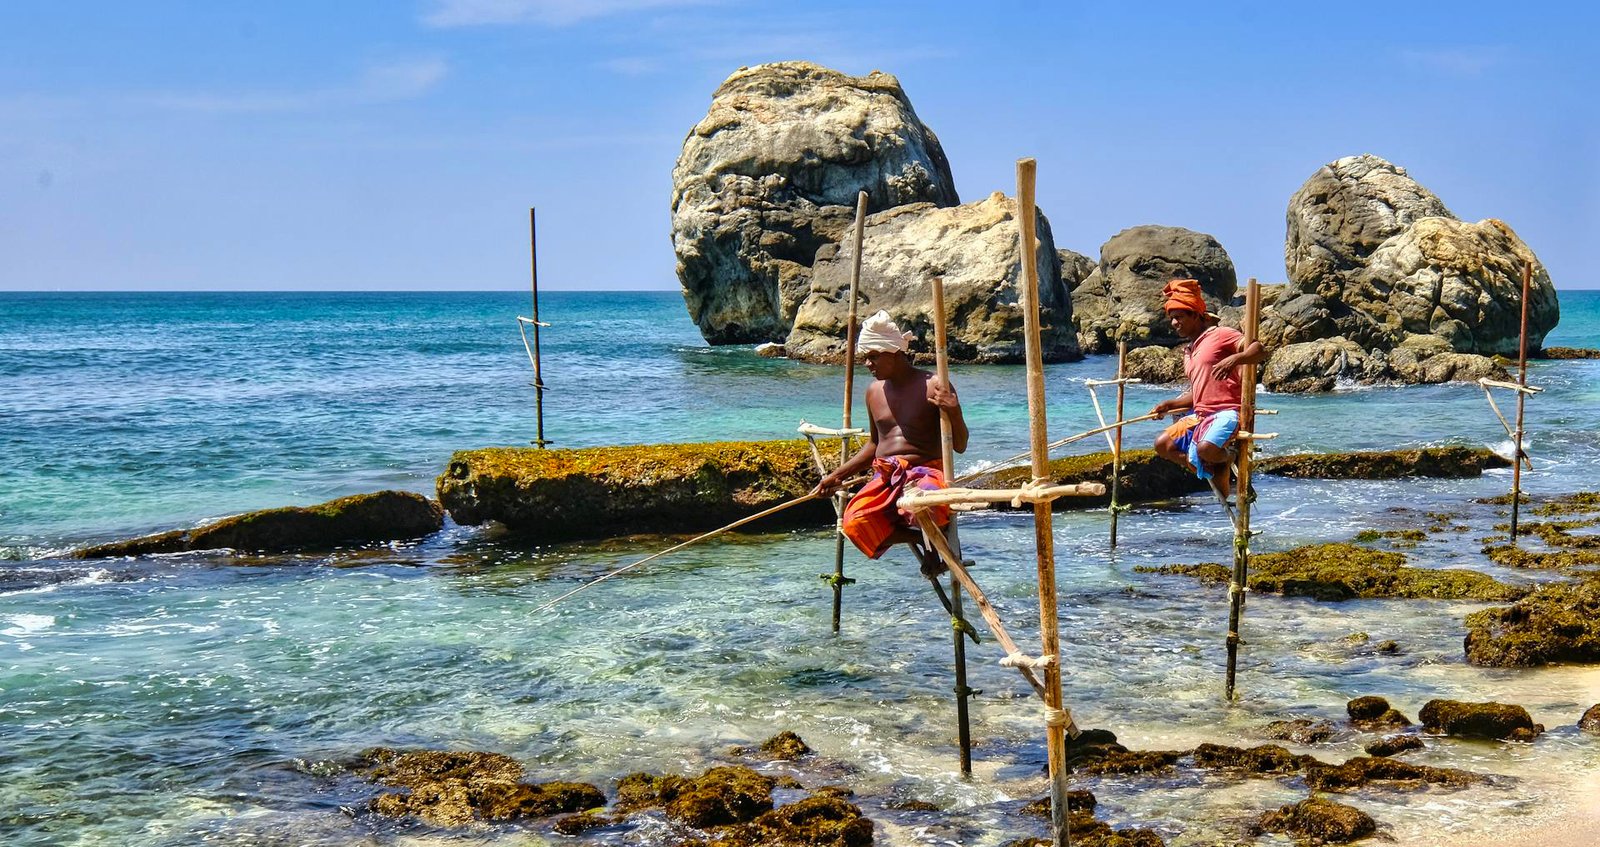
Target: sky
{"type": "Point", "coordinates": [398, 145]}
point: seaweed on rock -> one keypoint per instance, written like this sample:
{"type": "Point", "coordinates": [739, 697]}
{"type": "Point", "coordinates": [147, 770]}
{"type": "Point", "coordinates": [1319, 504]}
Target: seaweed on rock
{"type": "Point", "coordinates": [1348, 571]}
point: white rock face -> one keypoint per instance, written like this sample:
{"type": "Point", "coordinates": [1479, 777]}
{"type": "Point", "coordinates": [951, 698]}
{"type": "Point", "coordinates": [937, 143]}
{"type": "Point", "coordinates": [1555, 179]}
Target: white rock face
{"type": "Point", "coordinates": [1121, 298]}
{"type": "Point", "coordinates": [771, 174]}
{"type": "Point", "coordinates": [974, 248]}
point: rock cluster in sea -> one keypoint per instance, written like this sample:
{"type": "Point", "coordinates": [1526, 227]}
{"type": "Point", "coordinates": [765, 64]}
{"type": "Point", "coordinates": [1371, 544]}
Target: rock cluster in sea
{"type": "Point", "coordinates": [1385, 284]}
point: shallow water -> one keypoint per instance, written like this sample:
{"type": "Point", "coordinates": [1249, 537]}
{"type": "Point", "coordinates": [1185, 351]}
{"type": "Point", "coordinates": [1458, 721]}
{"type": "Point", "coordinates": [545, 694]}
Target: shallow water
{"type": "Point", "coordinates": [201, 698]}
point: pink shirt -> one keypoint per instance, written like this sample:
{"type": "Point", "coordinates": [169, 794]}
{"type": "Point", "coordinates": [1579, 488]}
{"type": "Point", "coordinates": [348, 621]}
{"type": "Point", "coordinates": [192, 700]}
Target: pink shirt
{"type": "Point", "coordinates": [1199, 356]}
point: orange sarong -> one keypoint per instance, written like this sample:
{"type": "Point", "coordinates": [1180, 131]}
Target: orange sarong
{"type": "Point", "coordinates": [872, 516]}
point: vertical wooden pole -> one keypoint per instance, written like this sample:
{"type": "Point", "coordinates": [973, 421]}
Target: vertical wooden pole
{"type": "Point", "coordinates": [538, 377]}
{"type": "Point", "coordinates": [1116, 444]}
{"type": "Point", "coordinates": [1241, 486]}
{"type": "Point", "coordinates": [849, 399]}
{"type": "Point", "coordinates": [1522, 397]}
{"type": "Point", "coordinates": [1043, 533]}
{"type": "Point", "coordinates": [947, 455]}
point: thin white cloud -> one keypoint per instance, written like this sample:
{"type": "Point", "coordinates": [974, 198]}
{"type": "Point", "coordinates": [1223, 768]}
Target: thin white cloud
{"type": "Point", "coordinates": [379, 83]}
{"type": "Point", "coordinates": [455, 13]}
{"type": "Point", "coordinates": [1465, 62]}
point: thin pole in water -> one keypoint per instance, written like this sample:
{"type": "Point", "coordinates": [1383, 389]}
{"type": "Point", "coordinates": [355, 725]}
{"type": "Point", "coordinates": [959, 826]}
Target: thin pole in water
{"type": "Point", "coordinates": [1522, 396]}
{"type": "Point", "coordinates": [839, 500]}
{"type": "Point", "coordinates": [948, 456]}
{"type": "Point", "coordinates": [1116, 446]}
{"type": "Point", "coordinates": [538, 376]}
{"type": "Point", "coordinates": [1241, 487]}
{"type": "Point", "coordinates": [1043, 535]}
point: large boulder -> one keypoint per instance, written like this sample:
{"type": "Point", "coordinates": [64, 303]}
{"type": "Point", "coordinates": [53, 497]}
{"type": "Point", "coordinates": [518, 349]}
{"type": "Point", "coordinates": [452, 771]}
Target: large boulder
{"type": "Point", "coordinates": [1459, 281]}
{"type": "Point", "coordinates": [1376, 258]}
{"type": "Point", "coordinates": [1122, 297]}
{"type": "Point", "coordinates": [974, 248]}
{"type": "Point", "coordinates": [772, 173]}
{"type": "Point", "coordinates": [601, 492]}
{"type": "Point", "coordinates": [381, 516]}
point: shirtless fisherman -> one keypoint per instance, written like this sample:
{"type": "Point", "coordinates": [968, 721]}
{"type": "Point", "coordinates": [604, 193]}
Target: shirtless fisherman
{"type": "Point", "coordinates": [1212, 355]}
{"type": "Point", "coordinates": [903, 449]}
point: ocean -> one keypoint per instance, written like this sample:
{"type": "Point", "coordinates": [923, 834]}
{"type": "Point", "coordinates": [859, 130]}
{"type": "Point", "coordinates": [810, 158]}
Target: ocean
{"type": "Point", "coordinates": [207, 698]}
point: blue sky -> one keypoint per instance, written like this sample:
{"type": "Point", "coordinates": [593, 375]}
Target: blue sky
{"type": "Point", "coordinates": [398, 145]}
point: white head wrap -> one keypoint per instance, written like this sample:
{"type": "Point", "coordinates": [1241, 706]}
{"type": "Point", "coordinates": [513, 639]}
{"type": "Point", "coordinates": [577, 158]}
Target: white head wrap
{"type": "Point", "coordinates": [880, 334]}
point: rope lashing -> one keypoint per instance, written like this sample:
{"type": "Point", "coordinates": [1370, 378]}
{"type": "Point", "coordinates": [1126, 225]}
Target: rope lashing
{"type": "Point", "coordinates": [835, 580]}
{"type": "Point", "coordinates": [1059, 718]}
{"type": "Point", "coordinates": [965, 627]}
{"type": "Point", "coordinates": [1022, 660]}
{"type": "Point", "coordinates": [1031, 492]}
{"type": "Point", "coordinates": [1120, 508]}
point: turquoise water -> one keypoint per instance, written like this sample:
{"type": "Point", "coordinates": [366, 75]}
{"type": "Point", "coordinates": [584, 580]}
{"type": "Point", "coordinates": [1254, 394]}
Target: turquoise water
{"type": "Point", "coordinates": [198, 698]}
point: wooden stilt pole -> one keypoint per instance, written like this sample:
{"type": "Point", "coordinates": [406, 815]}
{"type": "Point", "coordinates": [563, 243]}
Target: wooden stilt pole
{"type": "Point", "coordinates": [1241, 486]}
{"type": "Point", "coordinates": [1522, 397]}
{"type": "Point", "coordinates": [1043, 534]}
{"type": "Point", "coordinates": [1116, 446]}
{"type": "Point", "coordinates": [839, 581]}
{"type": "Point", "coordinates": [538, 378]}
{"type": "Point", "coordinates": [948, 457]}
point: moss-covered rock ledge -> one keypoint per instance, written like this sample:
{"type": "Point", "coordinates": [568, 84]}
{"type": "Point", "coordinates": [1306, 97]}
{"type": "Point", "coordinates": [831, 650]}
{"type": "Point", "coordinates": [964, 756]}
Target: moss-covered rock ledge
{"type": "Point", "coordinates": [599, 492]}
{"type": "Point", "coordinates": [380, 516]}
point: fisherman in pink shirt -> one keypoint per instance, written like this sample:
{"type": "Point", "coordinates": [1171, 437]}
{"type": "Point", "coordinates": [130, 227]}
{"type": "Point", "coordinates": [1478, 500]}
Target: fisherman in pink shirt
{"type": "Point", "coordinates": [1211, 359]}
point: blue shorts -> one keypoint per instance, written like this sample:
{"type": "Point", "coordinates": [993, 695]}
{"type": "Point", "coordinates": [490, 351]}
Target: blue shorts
{"type": "Point", "coordinates": [1213, 429]}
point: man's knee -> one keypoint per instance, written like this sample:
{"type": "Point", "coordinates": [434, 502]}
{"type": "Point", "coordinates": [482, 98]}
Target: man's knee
{"type": "Point", "coordinates": [1211, 454]}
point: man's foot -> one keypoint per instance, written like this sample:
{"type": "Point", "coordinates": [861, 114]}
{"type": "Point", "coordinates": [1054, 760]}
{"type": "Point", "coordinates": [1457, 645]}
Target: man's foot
{"type": "Point", "coordinates": [933, 567]}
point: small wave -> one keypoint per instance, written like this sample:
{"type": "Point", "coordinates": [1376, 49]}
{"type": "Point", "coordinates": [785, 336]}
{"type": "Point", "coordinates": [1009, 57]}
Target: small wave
{"type": "Point", "coordinates": [25, 624]}
{"type": "Point", "coordinates": [42, 580]}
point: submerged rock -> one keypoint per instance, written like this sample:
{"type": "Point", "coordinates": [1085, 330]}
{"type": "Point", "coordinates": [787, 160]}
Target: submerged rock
{"type": "Point", "coordinates": [1263, 759]}
{"type": "Point", "coordinates": [1348, 571]}
{"type": "Point", "coordinates": [454, 788]}
{"type": "Point", "coordinates": [1447, 462]}
{"type": "Point", "coordinates": [1494, 721]}
{"type": "Point", "coordinates": [1393, 773]}
{"type": "Point", "coordinates": [596, 492]}
{"type": "Point", "coordinates": [1391, 745]}
{"type": "Point", "coordinates": [973, 247]}
{"type": "Point", "coordinates": [1556, 623]}
{"type": "Point", "coordinates": [1319, 822]}
{"type": "Point", "coordinates": [1303, 731]}
{"type": "Point", "coordinates": [1121, 298]}
{"type": "Point", "coordinates": [771, 174]}
{"type": "Point", "coordinates": [785, 746]}
{"type": "Point", "coordinates": [381, 516]}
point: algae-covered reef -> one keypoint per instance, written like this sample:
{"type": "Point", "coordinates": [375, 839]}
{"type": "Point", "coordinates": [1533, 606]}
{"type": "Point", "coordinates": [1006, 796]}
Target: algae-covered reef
{"type": "Point", "coordinates": [1557, 623]}
{"type": "Point", "coordinates": [1447, 462]}
{"type": "Point", "coordinates": [1348, 571]}
{"type": "Point", "coordinates": [596, 492]}
{"type": "Point", "coordinates": [1145, 477]}
{"type": "Point", "coordinates": [381, 516]}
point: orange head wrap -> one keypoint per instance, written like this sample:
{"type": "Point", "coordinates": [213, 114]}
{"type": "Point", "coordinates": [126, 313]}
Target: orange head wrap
{"type": "Point", "coordinates": [1184, 295]}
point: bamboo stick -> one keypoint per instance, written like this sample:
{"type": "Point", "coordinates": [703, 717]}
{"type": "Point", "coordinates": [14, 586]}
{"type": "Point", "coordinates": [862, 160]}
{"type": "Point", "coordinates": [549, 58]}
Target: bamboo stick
{"type": "Point", "coordinates": [538, 377]}
{"type": "Point", "coordinates": [947, 456]}
{"type": "Point", "coordinates": [840, 499]}
{"type": "Point", "coordinates": [1241, 487]}
{"type": "Point", "coordinates": [1043, 536]}
{"type": "Point", "coordinates": [1040, 495]}
{"type": "Point", "coordinates": [676, 547]}
{"type": "Point", "coordinates": [1116, 449]}
{"type": "Point", "coordinates": [1522, 397]}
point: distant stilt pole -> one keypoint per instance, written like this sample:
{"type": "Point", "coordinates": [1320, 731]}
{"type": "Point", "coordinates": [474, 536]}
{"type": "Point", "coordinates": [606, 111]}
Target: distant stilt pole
{"type": "Point", "coordinates": [839, 581]}
{"type": "Point", "coordinates": [1043, 535]}
{"type": "Point", "coordinates": [1522, 396]}
{"type": "Point", "coordinates": [1116, 445]}
{"type": "Point", "coordinates": [538, 375]}
{"type": "Point", "coordinates": [948, 456]}
{"type": "Point", "coordinates": [1241, 486]}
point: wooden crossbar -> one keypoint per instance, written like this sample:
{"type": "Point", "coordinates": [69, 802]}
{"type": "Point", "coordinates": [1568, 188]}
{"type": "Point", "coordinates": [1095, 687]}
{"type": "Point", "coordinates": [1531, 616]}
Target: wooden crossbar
{"type": "Point", "coordinates": [915, 501]}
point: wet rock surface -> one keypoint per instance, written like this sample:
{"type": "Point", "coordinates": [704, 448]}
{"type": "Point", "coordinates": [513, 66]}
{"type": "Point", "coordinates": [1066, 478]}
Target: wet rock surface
{"type": "Point", "coordinates": [1590, 722]}
{"type": "Point", "coordinates": [1392, 773]}
{"type": "Point", "coordinates": [1146, 477]}
{"type": "Point", "coordinates": [555, 495]}
{"type": "Point", "coordinates": [1318, 821]}
{"type": "Point", "coordinates": [1347, 571]}
{"type": "Point", "coordinates": [1495, 721]}
{"type": "Point", "coordinates": [1374, 714]}
{"type": "Point", "coordinates": [1556, 623]}
{"type": "Point", "coordinates": [1302, 731]}
{"type": "Point", "coordinates": [1393, 745]}
{"type": "Point", "coordinates": [1443, 462]}
{"type": "Point", "coordinates": [771, 174]}
{"type": "Point", "coordinates": [973, 248]}
{"type": "Point", "coordinates": [1262, 759]}
{"type": "Point", "coordinates": [785, 746]}
{"type": "Point", "coordinates": [380, 516]}
{"type": "Point", "coordinates": [454, 788]}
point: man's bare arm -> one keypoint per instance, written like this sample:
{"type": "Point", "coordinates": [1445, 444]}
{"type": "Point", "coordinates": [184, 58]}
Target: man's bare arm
{"type": "Point", "coordinates": [944, 397]}
{"type": "Point", "coordinates": [856, 464]}
{"type": "Point", "coordinates": [1182, 401]}
{"type": "Point", "coordinates": [1254, 354]}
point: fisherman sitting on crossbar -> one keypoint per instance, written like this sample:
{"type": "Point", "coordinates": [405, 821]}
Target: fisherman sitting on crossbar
{"type": "Point", "coordinates": [1211, 358]}
{"type": "Point", "coordinates": [904, 403]}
